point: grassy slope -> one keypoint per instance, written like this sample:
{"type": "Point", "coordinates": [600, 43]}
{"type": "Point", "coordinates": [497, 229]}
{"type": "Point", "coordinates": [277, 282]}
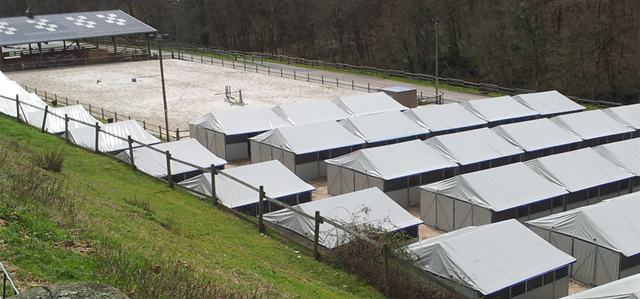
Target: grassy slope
{"type": "Point", "coordinates": [200, 235]}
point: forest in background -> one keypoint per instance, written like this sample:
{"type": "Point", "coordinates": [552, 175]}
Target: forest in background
{"type": "Point", "coordinates": [585, 48]}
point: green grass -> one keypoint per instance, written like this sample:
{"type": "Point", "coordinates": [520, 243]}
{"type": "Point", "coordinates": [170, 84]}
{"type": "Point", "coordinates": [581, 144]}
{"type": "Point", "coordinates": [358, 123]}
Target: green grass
{"type": "Point", "coordinates": [148, 219]}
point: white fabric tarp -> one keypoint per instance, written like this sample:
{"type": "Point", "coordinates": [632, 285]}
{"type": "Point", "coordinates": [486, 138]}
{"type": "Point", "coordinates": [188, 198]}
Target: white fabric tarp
{"type": "Point", "coordinates": [309, 138]}
{"type": "Point", "coordinates": [154, 163]}
{"type": "Point", "coordinates": [369, 206]}
{"type": "Point", "coordinates": [55, 118]}
{"type": "Point", "coordinates": [10, 89]}
{"type": "Point", "coordinates": [624, 154]}
{"type": "Point", "coordinates": [499, 188]}
{"type": "Point", "coordinates": [310, 112]}
{"type": "Point", "coordinates": [628, 115]}
{"type": "Point", "coordinates": [241, 121]}
{"type": "Point", "coordinates": [497, 109]}
{"type": "Point", "coordinates": [535, 135]}
{"type": "Point", "coordinates": [491, 257]}
{"type": "Point", "coordinates": [368, 103]}
{"type": "Point", "coordinates": [394, 161]}
{"type": "Point", "coordinates": [383, 127]}
{"type": "Point", "coordinates": [577, 170]}
{"type": "Point", "coordinates": [626, 288]}
{"type": "Point", "coordinates": [438, 118]}
{"type": "Point", "coordinates": [613, 224]}
{"type": "Point", "coordinates": [548, 102]}
{"type": "Point", "coordinates": [86, 136]}
{"type": "Point", "coordinates": [473, 146]}
{"type": "Point", "coordinates": [590, 124]}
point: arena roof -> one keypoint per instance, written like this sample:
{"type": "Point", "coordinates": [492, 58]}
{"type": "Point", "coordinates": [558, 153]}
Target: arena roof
{"type": "Point", "coordinates": [69, 26]}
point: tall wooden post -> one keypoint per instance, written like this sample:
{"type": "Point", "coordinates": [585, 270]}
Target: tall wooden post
{"type": "Point", "coordinates": [316, 236]}
{"type": "Point", "coordinates": [97, 134]}
{"type": "Point", "coordinates": [133, 164]}
{"type": "Point", "coordinates": [214, 171]}
{"type": "Point", "coordinates": [261, 210]}
{"type": "Point", "coordinates": [44, 119]}
{"type": "Point", "coordinates": [169, 180]}
{"type": "Point", "coordinates": [18, 108]}
{"type": "Point", "coordinates": [385, 253]}
{"type": "Point", "coordinates": [66, 127]}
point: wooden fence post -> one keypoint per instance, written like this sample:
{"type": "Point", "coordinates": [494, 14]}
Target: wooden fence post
{"type": "Point", "coordinates": [316, 236]}
{"type": "Point", "coordinates": [66, 127]}
{"type": "Point", "coordinates": [144, 124]}
{"type": "Point", "coordinates": [385, 253]}
{"type": "Point", "coordinates": [160, 130]}
{"type": "Point", "coordinates": [169, 180]}
{"type": "Point", "coordinates": [133, 164]}
{"type": "Point", "coordinates": [294, 74]}
{"type": "Point", "coordinates": [337, 84]}
{"type": "Point", "coordinates": [66, 101]}
{"type": "Point", "coordinates": [214, 171]}
{"type": "Point", "coordinates": [44, 119]}
{"type": "Point", "coordinates": [116, 115]}
{"type": "Point", "coordinates": [18, 108]}
{"type": "Point", "coordinates": [97, 134]}
{"type": "Point", "coordinates": [102, 109]}
{"type": "Point", "coordinates": [90, 109]}
{"type": "Point", "coordinates": [177, 134]}
{"type": "Point", "coordinates": [261, 211]}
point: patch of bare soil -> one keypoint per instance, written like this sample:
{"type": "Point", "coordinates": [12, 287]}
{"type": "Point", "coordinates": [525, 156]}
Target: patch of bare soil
{"type": "Point", "coordinates": [424, 231]}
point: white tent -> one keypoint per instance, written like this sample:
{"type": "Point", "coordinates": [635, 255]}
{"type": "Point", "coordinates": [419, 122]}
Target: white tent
{"type": "Point", "coordinates": [278, 181]}
{"type": "Point", "coordinates": [624, 154]}
{"type": "Point", "coordinates": [154, 162]}
{"type": "Point", "coordinates": [303, 148]}
{"type": "Point", "coordinates": [594, 127]}
{"type": "Point", "coordinates": [548, 103]}
{"type": "Point", "coordinates": [628, 115]}
{"type": "Point", "coordinates": [55, 118]}
{"type": "Point", "coordinates": [395, 169]}
{"type": "Point", "coordinates": [384, 128]}
{"type": "Point", "coordinates": [499, 260]}
{"type": "Point", "coordinates": [538, 138]}
{"type": "Point", "coordinates": [604, 238]}
{"type": "Point", "coordinates": [588, 177]}
{"type": "Point", "coordinates": [86, 136]}
{"type": "Point", "coordinates": [507, 192]}
{"type": "Point", "coordinates": [310, 112]}
{"type": "Point", "coordinates": [368, 103]}
{"type": "Point", "coordinates": [369, 206]}
{"type": "Point", "coordinates": [626, 288]}
{"type": "Point", "coordinates": [8, 91]}
{"type": "Point", "coordinates": [444, 119]}
{"type": "Point", "coordinates": [476, 149]}
{"type": "Point", "coordinates": [227, 133]}
{"type": "Point", "coordinates": [500, 110]}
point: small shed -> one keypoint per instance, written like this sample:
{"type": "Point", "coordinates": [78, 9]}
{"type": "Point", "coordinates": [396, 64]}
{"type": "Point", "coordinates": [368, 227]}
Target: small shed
{"type": "Point", "coordinates": [594, 127]}
{"type": "Point", "coordinates": [369, 206]}
{"type": "Point", "coordinates": [278, 181]}
{"type": "Point", "coordinates": [499, 260]}
{"type": "Point", "coordinates": [153, 161]}
{"type": "Point", "coordinates": [227, 133]}
{"type": "Point", "coordinates": [476, 149]}
{"type": "Point", "coordinates": [587, 176]}
{"type": "Point", "coordinates": [113, 137]}
{"type": "Point", "coordinates": [624, 154]}
{"type": "Point", "coordinates": [395, 169]}
{"type": "Point", "coordinates": [625, 288]}
{"type": "Point", "coordinates": [500, 110]}
{"type": "Point", "coordinates": [507, 192]}
{"type": "Point", "coordinates": [55, 118]}
{"type": "Point", "coordinates": [310, 112]}
{"type": "Point", "coordinates": [603, 238]}
{"type": "Point", "coordinates": [368, 103]}
{"type": "Point", "coordinates": [628, 115]}
{"type": "Point", "coordinates": [408, 97]}
{"type": "Point", "coordinates": [304, 148]}
{"type": "Point", "coordinates": [445, 119]}
{"type": "Point", "coordinates": [384, 128]}
{"type": "Point", "coordinates": [538, 138]}
{"type": "Point", "coordinates": [548, 103]}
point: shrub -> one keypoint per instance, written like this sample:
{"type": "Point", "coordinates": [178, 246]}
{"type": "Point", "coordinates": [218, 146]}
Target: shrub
{"type": "Point", "coordinates": [51, 160]}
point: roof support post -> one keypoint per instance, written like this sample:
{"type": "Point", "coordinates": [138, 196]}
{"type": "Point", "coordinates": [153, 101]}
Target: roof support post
{"type": "Point", "coordinates": [148, 46]}
{"type": "Point", "coordinates": [115, 48]}
{"type": "Point", "coordinates": [30, 49]}
{"type": "Point", "coordinates": [1, 57]}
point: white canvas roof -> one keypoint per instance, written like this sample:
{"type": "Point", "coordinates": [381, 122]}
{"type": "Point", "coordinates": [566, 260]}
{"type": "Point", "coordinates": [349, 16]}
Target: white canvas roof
{"type": "Point", "coordinates": [394, 161]}
{"type": "Point", "coordinates": [491, 257]}
{"type": "Point", "coordinates": [310, 112]}
{"type": "Point", "coordinates": [613, 223]}
{"type": "Point", "coordinates": [590, 124]}
{"type": "Point", "coordinates": [55, 118]}
{"type": "Point", "coordinates": [499, 188]}
{"type": "Point", "coordinates": [626, 288]}
{"type": "Point", "coordinates": [535, 134]}
{"type": "Point", "coordinates": [497, 109]}
{"type": "Point", "coordinates": [369, 206]}
{"type": "Point", "coordinates": [368, 103]}
{"type": "Point", "coordinates": [188, 150]}
{"type": "Point", "coordinates": [548, 102]}
{"type": "Point", "coordinates": [382, 126]}
{"type": "Point", "coordinates": [86, 136]}
{"type": "Point", "coordinates": [437, 118]}
{"type": "Point", "coordinates": [241, 121]}
{"type": "Point", "coordinates": [473, 146]}
{"type": "Point", "coordinates": [624, 154]}
{"type": "Point", "coordinates": [309, 138]}
{"type": "Point", "coordinates": [577, 170]}
{"type": "Point", "coordinates": [628, 115]}
{"type": "Point", "coordinates": [10, 89]}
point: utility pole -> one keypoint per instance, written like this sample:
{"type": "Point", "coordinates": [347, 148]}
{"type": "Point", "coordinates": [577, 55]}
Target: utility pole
{"type": "Point", "coordinates": [159, 37]}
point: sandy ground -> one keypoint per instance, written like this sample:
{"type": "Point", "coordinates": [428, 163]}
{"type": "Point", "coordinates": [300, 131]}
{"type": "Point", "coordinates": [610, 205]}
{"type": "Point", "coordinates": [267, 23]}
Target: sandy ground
{"type": "Point", "coordinates": [577, 287]}
{"type": "Point", "coordinates": [193, 89]}
{"type": "Point", "coordinates": [424, 231]}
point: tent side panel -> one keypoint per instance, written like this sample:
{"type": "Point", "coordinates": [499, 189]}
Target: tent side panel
{"type": "Point", "coordinates": [561, 287]}
{"type": "Point", "coordinates": [306, 171]}
{"type": "Point", "coordinates": [322, 168]}
{"type": "Point", "coordinates": [462, 215]}
{"type": "Point", "coordinates": [583, 269]}
{"type": "Point", "coordinates": [218, 143]}
{"type": "Point", "coordinates": [256, 152]}
{"type": "Point", "coordinates": [445, 213]}
{"type": "Point", "coordinates": [542, 292]}
{"type": "Point", "coordinates": [334, 178]}
{"type": "Point", "coordinates": [607, 266]}
{"type": "Point", "coordinates": [401, 197]}
{"type": "Point", "coordinates": [632, 269]}
{"type": "Point", "coordinates": [543, 233]}
{"type": "Point", "coordinates": [428, 202]}
{"type": "Point", "coordinates": [481, 216]}
{"type": "Point", "coordinates": [362, 181]}
{"type": "Point", "coordinates": [562, 242]}
{"type": "Point", "coordinates": [414, 196]}
{"type": "Point", "coordinates": [235, 151]}
{"type": "Point", "coordinates": [209, 139]}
